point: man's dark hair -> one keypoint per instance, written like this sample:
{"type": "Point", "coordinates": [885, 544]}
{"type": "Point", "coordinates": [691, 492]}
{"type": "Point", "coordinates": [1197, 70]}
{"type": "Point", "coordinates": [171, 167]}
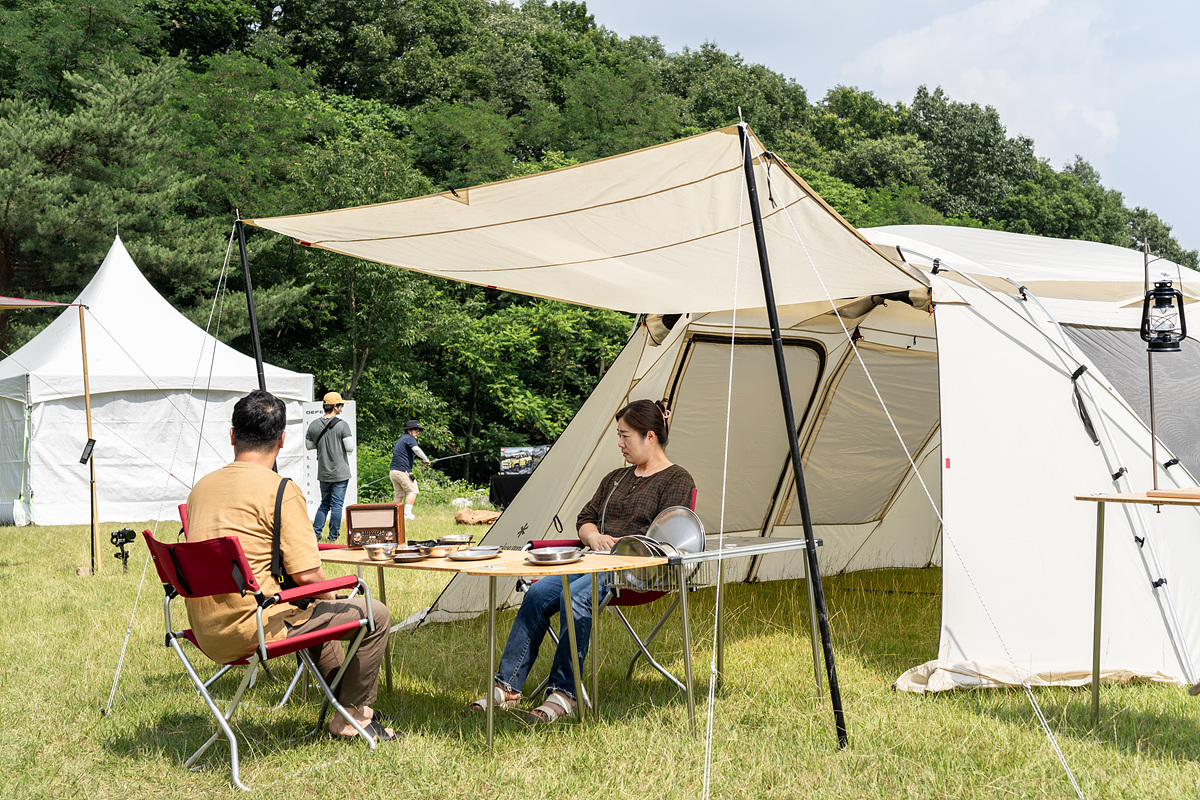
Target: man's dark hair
{"type": "Point", "coordinates": [258, 421]}
{"type": "Point", "coordinates": [328, 407]}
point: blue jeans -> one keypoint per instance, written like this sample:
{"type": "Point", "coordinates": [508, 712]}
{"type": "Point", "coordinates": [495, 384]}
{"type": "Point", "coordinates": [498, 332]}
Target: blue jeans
{"type": "Point", "coordinates": [542, 601]}
{"type": "Point", "coordinates": [332, 497]}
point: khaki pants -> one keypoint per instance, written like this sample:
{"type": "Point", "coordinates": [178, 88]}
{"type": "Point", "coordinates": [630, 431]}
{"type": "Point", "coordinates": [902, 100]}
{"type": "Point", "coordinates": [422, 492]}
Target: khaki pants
{"type": "Point", "coordinates": [360, 684]}
{"type": "Point", "coordinates": [403, 485]}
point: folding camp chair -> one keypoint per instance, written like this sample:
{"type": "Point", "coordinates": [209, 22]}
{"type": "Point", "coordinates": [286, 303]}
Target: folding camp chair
{"type": "Point", "coordinates": [620, 598]}
{"type": "Point", "coordinates": [299, 674]}
{"type": "Point", "coordinates": [219, 566]}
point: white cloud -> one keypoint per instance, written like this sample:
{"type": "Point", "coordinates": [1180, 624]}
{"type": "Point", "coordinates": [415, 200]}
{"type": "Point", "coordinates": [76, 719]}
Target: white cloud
{"type": "Point", "coordinates": [1043, 65]}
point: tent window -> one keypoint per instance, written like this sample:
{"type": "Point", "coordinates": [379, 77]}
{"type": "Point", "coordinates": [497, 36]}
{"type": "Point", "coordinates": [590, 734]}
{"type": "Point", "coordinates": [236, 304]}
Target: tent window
{"type": "Point", "coordinates": [855, 464]}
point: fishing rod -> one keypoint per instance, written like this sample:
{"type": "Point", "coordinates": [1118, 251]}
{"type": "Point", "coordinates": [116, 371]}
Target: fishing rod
{"type": "Point", "coordinates": [434, 461]}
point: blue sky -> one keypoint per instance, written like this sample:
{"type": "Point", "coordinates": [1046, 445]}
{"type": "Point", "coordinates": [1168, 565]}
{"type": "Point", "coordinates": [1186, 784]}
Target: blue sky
{"type": "Point", "coordinates": [1113, 81]}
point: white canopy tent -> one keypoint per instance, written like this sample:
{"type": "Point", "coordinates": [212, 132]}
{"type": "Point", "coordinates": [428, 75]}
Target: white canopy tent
{"type": "Point", "coordinates": [162, 393]}
{"type": "Point", "coordinates": [977, 386]}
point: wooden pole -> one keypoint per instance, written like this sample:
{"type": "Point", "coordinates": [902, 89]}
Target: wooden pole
{"type": "Point", "coordinates": [87, 402]}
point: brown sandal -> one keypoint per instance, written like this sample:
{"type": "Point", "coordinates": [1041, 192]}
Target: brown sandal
{"type": "Point", "coordinates": [557, 706]}
{"type": "Point", "coordinates": [501, 699]}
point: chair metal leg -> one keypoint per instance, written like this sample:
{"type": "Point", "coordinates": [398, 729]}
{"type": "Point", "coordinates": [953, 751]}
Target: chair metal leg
{"type": "Point", "coordinates": [222, 719]}
{"type": "Point", "coordinates": [645, 643]}
{"type": "Point", "coordinates": [642, 652]}
{"type": "Point", "coordinates": [291, 686]}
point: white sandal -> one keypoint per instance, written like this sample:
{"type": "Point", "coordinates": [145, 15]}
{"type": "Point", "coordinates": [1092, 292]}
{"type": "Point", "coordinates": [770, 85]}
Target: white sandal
{"type": "Point", "coordinates": [557, 706]}
{"type": "Point", "coordinates": [502, 701]}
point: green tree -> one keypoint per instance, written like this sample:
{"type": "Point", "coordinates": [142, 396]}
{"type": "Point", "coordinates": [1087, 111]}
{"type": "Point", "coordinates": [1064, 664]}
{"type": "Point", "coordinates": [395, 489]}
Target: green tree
{"type": "Point", "coordinates": [70, 180]}
{"type": "Point", "coordinates": [463, 144]}
{"type": "Point", "coordinates": [614, 110]}
{"type": "Point", "coordinates": [42, 41]}
{"type": "Point", "coordinates": [715, 85]}
{"type": "Point", "coordinates": [373, 311]}
{"type": "Point", "coordinates": [1145, 225]}
{"type": "Point", "coordinates": [973, 162]}
{"type": "Point", "coordinates": [1071, 204]}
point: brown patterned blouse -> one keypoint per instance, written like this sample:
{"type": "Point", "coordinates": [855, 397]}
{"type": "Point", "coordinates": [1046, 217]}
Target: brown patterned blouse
{"type": "Point", "coordinates": [626, 504]}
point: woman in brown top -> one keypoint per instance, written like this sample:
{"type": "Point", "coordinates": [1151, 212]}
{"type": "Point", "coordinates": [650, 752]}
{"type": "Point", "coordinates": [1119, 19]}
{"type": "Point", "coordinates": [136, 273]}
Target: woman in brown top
{"type": "Point", "coordinates": [626, 502]}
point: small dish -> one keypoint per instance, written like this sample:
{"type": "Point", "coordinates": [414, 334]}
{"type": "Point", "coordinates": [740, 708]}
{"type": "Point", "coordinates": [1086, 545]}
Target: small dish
{"type": "Point", "coordinates": [474, 554]}
{"type": "Point", "coordinates": [553, 555]}
{"type": "Point", "coordinates": [381, 551]}
{"type": "Point", "coordinates": [407, 556]}
{"type": "Point", "coordinates": [541, 563]}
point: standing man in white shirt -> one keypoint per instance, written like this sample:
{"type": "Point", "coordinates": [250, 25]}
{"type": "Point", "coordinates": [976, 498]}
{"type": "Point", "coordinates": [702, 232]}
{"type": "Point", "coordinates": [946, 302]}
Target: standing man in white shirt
{"type": "Point", "coordinates": [333, 441]}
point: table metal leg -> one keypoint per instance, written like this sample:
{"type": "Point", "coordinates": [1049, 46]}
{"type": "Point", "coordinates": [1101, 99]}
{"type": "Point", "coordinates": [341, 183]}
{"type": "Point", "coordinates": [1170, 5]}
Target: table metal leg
{"type": "Point", "coordinates": [687, 648]}
{"type": "Point", "coordinates": [1096, 613]}
{"type": "Point", "coordinates": [595, 649]}
{"type": "Point", "coordinates": [720, 622]}
{"type": "Point", "coordinates": [491, 676]}
{"type": "Point", "coordinates": [570, 620]}
{"type": "Point", "coordinates": [387, 652]}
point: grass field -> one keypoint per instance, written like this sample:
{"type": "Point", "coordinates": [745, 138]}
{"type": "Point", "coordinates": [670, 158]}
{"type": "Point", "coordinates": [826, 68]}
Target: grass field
{"type": "Point", "coordinates": [771, 736]}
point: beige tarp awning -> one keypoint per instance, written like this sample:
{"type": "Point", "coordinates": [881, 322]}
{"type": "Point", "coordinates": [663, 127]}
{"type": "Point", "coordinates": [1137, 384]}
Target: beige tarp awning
{"type": "Point", "coordinates": [666, 229]}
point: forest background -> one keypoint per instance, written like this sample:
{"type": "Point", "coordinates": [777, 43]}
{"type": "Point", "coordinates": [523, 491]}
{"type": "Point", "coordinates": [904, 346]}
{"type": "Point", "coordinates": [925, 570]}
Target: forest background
{"type": "Point", "coordinates": [163, 119]}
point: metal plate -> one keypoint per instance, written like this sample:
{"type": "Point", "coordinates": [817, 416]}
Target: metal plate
{"type": "Point", "coordinates": [473, 555]}
{"type": "Point", "coordinates": [406, 557]}
{"type": "Point", "coordinates": [554, 555]}
{"type": "Point", "coordinates": [541, 563]}
{"type": "Point", "coordinates": [679, 527]}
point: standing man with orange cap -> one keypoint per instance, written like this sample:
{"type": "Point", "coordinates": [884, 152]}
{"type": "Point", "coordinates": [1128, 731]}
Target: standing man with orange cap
{"type": "Point", "coordinates": [404, 452]}
{"type": "Point", "coordinates": [333, 441]}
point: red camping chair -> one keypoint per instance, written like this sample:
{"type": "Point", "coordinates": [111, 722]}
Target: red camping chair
{"type": "Point", "coordinates": [219, 566]}
{"type": "Point", "coordinates": [627, 598]}
{"type": "Point", "coordinates": [183, 518]}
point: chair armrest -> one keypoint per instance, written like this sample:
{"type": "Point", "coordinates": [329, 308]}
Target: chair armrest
{"type": "Point", "coordinates": [539, 543]}
{"type": "Point", "coordinates": [313, 589]}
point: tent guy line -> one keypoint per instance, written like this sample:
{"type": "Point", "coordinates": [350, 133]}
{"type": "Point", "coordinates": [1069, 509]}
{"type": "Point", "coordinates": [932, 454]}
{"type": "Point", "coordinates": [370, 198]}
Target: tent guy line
{"type": "Point", "coordinates": [710, 710]}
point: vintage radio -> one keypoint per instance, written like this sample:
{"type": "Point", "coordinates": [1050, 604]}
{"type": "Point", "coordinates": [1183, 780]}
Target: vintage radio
{"type": "Point", "coordinates": [372, 523]}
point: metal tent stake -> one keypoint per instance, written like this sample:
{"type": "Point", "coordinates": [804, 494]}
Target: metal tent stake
{"type": "Point", "coordinates": [814, 572]}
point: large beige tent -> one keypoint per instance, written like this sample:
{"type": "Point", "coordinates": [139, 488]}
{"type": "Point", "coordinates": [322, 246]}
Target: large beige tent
{"type": "Point", "coordinates": [939, 418]}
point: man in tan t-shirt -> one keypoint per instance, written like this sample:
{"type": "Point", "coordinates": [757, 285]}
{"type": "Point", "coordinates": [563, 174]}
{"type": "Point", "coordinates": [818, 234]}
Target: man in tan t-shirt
{"type": "Point", "coordinates": [239, 500]}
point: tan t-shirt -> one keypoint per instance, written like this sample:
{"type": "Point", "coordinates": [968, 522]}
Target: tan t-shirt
{"type": "Point", "coordinates": [239, 500]}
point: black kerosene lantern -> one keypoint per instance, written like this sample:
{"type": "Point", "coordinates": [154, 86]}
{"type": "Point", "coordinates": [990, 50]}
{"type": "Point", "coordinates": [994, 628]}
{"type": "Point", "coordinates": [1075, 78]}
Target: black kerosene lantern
{"type": "Point", "coordinates": [1163, 322]}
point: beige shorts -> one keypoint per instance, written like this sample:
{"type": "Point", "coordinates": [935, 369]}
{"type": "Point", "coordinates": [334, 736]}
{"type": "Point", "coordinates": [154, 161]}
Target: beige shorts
{"type": "Point", "coordinates": [402, 485]}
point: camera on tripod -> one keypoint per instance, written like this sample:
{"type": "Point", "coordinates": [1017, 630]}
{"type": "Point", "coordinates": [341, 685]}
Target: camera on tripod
{"type": "Point", "coordinates": [120, 540]}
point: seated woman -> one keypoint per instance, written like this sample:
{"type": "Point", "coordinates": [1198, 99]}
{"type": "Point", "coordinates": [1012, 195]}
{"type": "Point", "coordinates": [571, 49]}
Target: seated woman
{"type": "Point", "coordinates": [626, 502]}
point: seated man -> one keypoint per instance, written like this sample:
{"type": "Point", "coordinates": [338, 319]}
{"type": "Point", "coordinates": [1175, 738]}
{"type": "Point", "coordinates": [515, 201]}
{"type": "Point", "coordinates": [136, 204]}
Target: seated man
{"type": "Point", "coordinates": [239, 500]}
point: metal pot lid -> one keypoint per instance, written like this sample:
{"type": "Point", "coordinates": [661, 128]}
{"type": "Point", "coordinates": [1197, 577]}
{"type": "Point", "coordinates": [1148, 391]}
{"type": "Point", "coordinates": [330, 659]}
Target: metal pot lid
{"type": "Point", "coordinates": [635, 545]}
{"type": "Point", "coordinates": [679, 527]}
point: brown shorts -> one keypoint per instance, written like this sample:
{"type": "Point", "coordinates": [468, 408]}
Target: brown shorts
{"type": "Point", "coordinates": [402, 485]}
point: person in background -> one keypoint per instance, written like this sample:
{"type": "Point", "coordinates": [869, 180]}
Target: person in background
{"type": "Point", "coordinates": [405, 450]}
{"type": "Point", "coordinates": [332, 439]}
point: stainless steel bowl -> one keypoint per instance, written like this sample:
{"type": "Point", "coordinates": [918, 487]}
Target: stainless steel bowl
{"type": "Point", "coordinates": [457, 538]}
{"type": "Point", "coordinates": [680, 527]}
{"type": "Point", "coordinates": [552, 555]}
{"type": "Point", "coordinates": [380, 552]}
{"type": "Point", "coordinates": [436, 550]}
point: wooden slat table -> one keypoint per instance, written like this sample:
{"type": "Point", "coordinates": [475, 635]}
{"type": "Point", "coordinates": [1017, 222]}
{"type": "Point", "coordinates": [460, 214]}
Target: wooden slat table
{"type": "Point", "coordinates": [1143, 499]}
{"type": "Point", "coordinates": [512, 564]}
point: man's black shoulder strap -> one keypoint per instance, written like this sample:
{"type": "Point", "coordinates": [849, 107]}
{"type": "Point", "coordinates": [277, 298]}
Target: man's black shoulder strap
{"type": "Point", "coordinates": [277, 571]}
{"type": "Point", "coordinates": [325, 430]}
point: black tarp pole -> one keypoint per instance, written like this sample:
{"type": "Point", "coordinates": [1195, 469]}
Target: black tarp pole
{"type": "Point", "coordinates": [814, 571]}
{"type": "Point", "coordinates": [258, 359]}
